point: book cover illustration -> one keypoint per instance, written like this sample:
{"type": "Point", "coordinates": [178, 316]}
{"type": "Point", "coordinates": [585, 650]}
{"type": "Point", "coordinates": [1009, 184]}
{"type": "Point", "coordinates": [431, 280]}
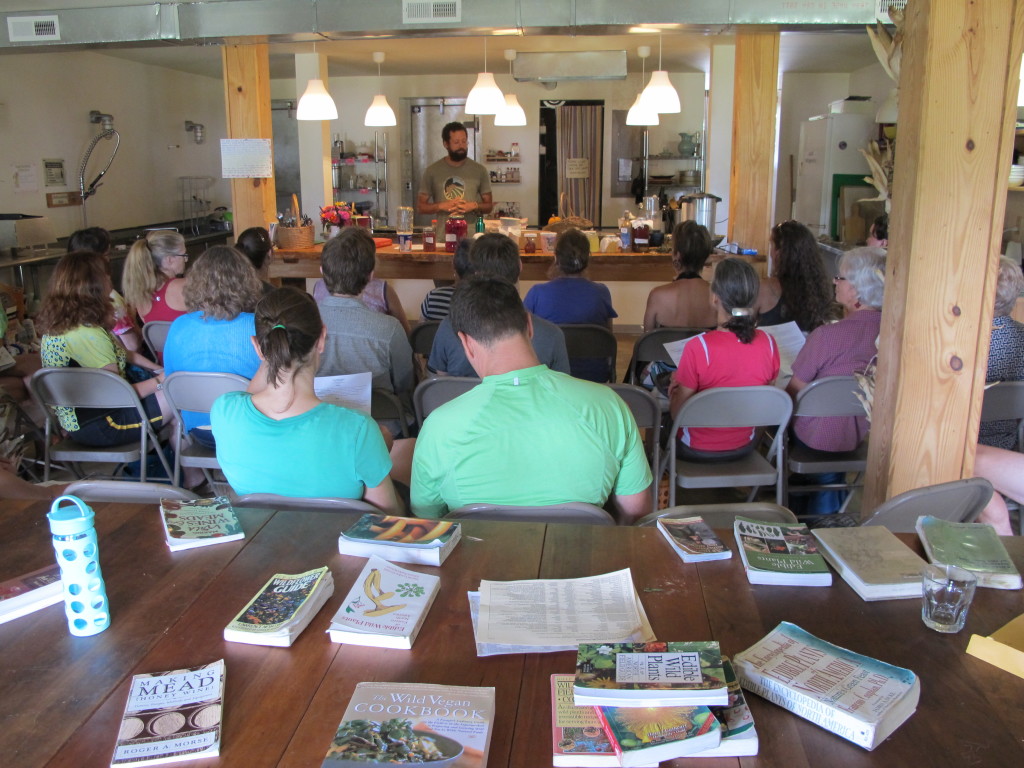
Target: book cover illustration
{"type": "Point", "coordinates": [277, 602]}
{"type": "Point", "coordinates": [694, 538]}
{"type": "Point", "coordinates": [186, 521]}
{"type": "Point", "coordinates": [789, 548]}
{"type": "Point", "coordinates": [655, 666]}
{"type": "Point", "coordinates": [172, 716]}
{"type": "Point", "coordinates": [402, 531]}
{"type": "Point", "coordinates": [578, 738]}
{"type": "Point", "coordinates": [640, 730]}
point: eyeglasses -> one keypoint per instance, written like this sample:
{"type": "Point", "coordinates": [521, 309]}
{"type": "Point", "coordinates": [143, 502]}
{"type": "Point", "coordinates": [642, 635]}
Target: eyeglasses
{"type": "Point", "coordinates": [182, 255]}
{"type": "Point", "coordinates": [837, 278]}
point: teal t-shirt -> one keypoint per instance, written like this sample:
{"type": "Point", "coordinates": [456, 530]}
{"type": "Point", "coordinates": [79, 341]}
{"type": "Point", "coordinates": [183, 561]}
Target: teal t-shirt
{"type": "Point", "coordinates": [328, 451]}
{"type": "Point", "coordinates": [528, 437]}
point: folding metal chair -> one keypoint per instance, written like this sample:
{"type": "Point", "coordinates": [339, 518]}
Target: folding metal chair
{"type": "Point", "coordinates": [387, 406]}
{"type": "Point", "coordinates": [421, 338]}
{"type": "Point", "coordinates": [577, 513]}
{"type": "Point", "coordinates": [647, 413]}
{"type": "Point", "coordinates": [437, 391]}
{"type": "Point", "coordinates": [1005, 402]}
{"type": "Point", "coordinates": [155, 335]}
{"type": "Point", "coordinates": [585, 343]}
{"type": "Point", "coordinates": [311, 504]}
{"type": "Point", "coordinates": [132, 493]}
{"type": "Point", "coordinates": [960, 501]}
{"type": "Point", "coordinates": [722, 515]}
{"type": "Point", "coordinates": [651, 347]}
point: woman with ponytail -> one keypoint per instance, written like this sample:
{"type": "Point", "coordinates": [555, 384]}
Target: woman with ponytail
{"type": "Point", "coordinates": [278, 437]}
{"type": "Point", "coordinates": [152, 276]}
{"type": "Point", "coordinates": [735, 354]}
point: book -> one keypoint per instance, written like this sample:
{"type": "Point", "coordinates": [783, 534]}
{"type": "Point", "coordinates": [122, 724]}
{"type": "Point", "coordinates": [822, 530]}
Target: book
{"type": "Point", "coordinates": [578, 737]}
{"type": "Point", "coordinates": [693, 539]}
{"type": "Point", "coordinates": [282, 608]}
{"type": "Point", "coordinates": [386, 723]}
{"type": "Point", "coordinates": [645, 735]}
{"type": "Point", "coordinates": [857, 697]}
{"type": "Point", "coordinates": [401, 539]}
{"type": "Point", "coordinates": [199, 523]}
{"type": "Point", "coordinates": [385, 607]}
{"type": "Point", "coordinates": [739, 737]}
{"type": "Point", "coordinates": [30, 592]}
{"type": "Point", "coordinates": [656, 674]}
{"type": "Point", "coordinates": [172, 716]}
{"type": "Point", "coordinates": [873, 561]}
{"type": "Point", "coordinates": [973, 546]}
{"type": "Point", "coordinates": [1004, 648]}
{"type": "Point", "coordinates": [780, 553]}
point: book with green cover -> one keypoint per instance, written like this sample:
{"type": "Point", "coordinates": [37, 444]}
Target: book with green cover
{"type": "Point", "coordinates": [973, 546]}
{"type": "Point", "coordinates": [739, 738]}
{"type": "Point", "coordinates": [873, 561]}
{"type": "Point", "coordinates": [644, 735]}
{"type": "Point", "coordinates": [780, 553]}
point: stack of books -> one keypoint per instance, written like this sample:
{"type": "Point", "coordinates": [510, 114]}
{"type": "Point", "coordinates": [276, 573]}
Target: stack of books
{"type": "Point", "coordinates": [401, 539]}
{"type": "Point", "coordinates": [281, 609]}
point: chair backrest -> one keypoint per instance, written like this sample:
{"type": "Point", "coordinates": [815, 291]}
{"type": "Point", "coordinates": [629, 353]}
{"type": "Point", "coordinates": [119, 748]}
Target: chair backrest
{"type": "Point", "coordinates": [127, 491]}
{"type": "Point", "coordinates": [578, 513]}
{"type": "Point", "coordinates": [421, 338]}
{"type": "Point", "coordinates": [437, 391]}
{"type": "Point", "coordinates": [385, 406]}
{"type": "Point", "coordinates": [1004, 402]}
{"type": "Point", "coordinates": [313, 504]}
{"type": "Point", "coordinates": [155, 335]}
{"type": "Point", "coordinates": [651, 346]}
{"type": "Point", "coordinates": [197, 390]}
{"type": "Point", "coordinates": [591, 341]}
{"type": "Point", "coordinates": [83, 388]}
{"type": "Point", "coordinates": [960, 501]}
{"type": "Point", "coordinates": [829, 396]}
{"type": "Point", "coordinates": [642, 405]}
{"type": "Point", "coordinates": [761, 406]}
{"type": "Point", "coordinates": [723, 515]}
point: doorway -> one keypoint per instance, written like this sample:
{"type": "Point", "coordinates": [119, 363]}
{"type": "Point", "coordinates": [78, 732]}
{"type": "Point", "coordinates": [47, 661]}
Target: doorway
{"type": "Point", "coordinates": [571, 159]}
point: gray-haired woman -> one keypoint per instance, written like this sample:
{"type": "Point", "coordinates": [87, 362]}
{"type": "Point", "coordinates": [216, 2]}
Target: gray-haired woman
{"type": "Point", "coordinates": [1005, 351]}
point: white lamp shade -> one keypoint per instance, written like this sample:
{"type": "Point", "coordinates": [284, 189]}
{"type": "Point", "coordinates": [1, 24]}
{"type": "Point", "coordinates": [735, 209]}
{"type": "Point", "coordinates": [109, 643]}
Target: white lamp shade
{"type": "Point", "coordinates": [641, 115]}
{"type": "Point", "coordinates": [486, 97]}
{"type": "Point", "coordinates": [660, 95]}
{"type": "Point", "coordinates": [889, 112]}
{"type": "Point", "coordinates": [512, 113]}
{"type": "Point", "coordinates": [316, 103]}
{"type": "Point", "coordinates": [380, 112]}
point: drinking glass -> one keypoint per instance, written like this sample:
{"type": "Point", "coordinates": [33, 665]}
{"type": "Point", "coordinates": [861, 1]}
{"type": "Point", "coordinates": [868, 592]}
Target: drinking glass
{"type": "Point", "coordinates": [948, 591]}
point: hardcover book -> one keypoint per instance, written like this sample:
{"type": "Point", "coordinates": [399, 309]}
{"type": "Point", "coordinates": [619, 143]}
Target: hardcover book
{"type": "Point", "coordinates": [24, 594]}
{"type": "Point", "coordinates": [172, 716]}
{"type": "Point", "coordinates": [857, 697]}
{"type": "Point", "coordinates": [387, 723]}
{"type": "Point", "coordinates": [780, 553]}
{"type": "Point", "coordinates": [693, 540]}
{"type": "Point", "coordinates": [282, 608]}
{"type": "Point", "coordinates": [644, 735]}
{"type": "Point", "coordinates": [199, 523]}
{"type": "Point", "coordinates": [385, 607]}
{"type": "Point", "coordinates": [656, 674]}
{"type": "Point", "coordinates": [873, 561]}
{"type": "Point", "coordinates": [973, 546]}
{"type": "Point", "coordinates": [401, 539]}
{"type": "Point", "coordinates": [739, 738]}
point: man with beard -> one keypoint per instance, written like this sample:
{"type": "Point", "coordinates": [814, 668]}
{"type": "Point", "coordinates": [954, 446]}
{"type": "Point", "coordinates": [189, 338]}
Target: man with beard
{"type": "Point", "coordinates": [455, 184]}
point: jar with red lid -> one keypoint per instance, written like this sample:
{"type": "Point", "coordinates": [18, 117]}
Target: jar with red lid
{"type": "Point", "coordinates": [454, 230]}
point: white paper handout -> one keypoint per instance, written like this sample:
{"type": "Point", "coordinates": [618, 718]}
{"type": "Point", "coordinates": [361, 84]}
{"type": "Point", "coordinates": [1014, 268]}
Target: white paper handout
{"type": "Point", "coordinates": [350, 390]}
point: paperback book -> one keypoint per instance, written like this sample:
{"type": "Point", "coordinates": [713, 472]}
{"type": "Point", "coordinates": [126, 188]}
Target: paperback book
{"type": "Point", "coordinates": [857, 697]}
{"type": "Point", "coordinates": [693, 540]}
{"type": "Point", "coordinates": [28, 593]}
{"type": "Point", "coordinates": [873, 561]}
{"type": "Point", "coordinates": [385, 607]}
{"type": "Point", "coordinates": [387, 723]}
{"type": "Point", "coordinates": [401, 539]}
{"type": "Point", "coordinates": [780, 553]}
{"type": "Point", "coordinates": [171, 717]}
{"type": "Point", "coordinates": [973, 546]}
{"type": "Point", "coordinates": [282, 608]}
{"type": "Point", "coordinates": [199, 523]}
{"type": "Point", "coordinates": [645, 735]}
{"type": "Point", "coordinates": [739, 737]}
{"type": "Point", "coordinates": [656, 674]}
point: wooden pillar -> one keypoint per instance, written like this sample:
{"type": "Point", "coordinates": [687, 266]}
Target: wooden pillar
{"type": "Point", "coordinates": [961, 63]}
{"type": "Point", "coordinates": [755, 100]}
{"type": "Point", "coordinates": [247, 101]}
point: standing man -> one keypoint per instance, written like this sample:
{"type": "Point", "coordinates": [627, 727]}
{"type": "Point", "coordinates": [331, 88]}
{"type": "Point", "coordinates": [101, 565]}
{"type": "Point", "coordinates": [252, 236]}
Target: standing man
{"type": "Point", "coordinates": [455, 184]}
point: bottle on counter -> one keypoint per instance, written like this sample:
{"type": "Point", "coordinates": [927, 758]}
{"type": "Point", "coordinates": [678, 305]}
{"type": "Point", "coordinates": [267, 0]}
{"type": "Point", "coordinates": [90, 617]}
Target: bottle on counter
{"type": "Point", "coordinates": [480, 224]}
{"type": "Point", "coordinates": [455, 229]}
{"type": "Point", "coordinates": [430, 237]}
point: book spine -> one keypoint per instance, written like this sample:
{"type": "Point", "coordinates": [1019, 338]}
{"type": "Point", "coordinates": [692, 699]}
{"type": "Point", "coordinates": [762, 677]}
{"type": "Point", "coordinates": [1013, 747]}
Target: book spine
{"type": "Point", "coordinates": [610, 732]}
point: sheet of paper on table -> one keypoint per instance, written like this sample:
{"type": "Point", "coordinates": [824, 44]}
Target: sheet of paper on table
{"type": "Point", "coordinates": [351, 390]}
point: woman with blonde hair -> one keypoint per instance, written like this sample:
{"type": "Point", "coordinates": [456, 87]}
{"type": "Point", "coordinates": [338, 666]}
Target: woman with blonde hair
{"type": "Point", "coordinates": [152, 279]}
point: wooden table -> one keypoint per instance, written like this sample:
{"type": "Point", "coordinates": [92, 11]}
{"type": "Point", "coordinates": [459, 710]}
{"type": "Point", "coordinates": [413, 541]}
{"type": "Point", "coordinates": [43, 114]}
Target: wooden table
{"type": "Point", "coordinates": [62, 697]}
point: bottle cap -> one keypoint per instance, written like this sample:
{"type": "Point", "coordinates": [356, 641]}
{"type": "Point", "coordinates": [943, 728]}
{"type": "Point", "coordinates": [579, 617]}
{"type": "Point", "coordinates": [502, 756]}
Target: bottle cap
{"type": "Point", "coordinates": [70, 520]}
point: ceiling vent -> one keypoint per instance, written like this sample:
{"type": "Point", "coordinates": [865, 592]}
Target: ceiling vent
{"type": "Point", "coordinates": [431, 11]}
{"type": "Point", "coordinates": [560, 66]}
{"type": "Point", "coordinates": [33, 29]}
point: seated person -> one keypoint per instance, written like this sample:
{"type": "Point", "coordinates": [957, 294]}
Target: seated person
{"type": "Point", "coordinates": [97, 240]}
{"type": "Point", "coordinates": [496, 255]}
{"type": "Point", "coordinates": [878, 237]}
{"type": "Point", "coordinates": [437, 301]}
{"type": "Point", "coordinates": [736, 354]}
{"type": "Point", "coordinates": [1005, 351]}
{"type": "Point", "coordinates": [798, 290]}
{"type": "Point", "coordinates": [1005, 470]}
{"type": "Point", "coordinates": [526, 435]}
{"type": "Point", "coordinates": [255, 243]}
{"type": "Point", "coordinates": [358, 338]}
{"type": "Point", "coordinates": [685, 302]}
{"type": "Point", "coordinates": [152, 279]}
{"type": "Point", "coordinates": [279, 438]}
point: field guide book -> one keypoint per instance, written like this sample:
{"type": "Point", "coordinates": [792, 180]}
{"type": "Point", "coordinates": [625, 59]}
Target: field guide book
{"type": "Point", "coordinates": [401, 539]}
{"type": "Point", "coordinates": [780, 553]}
{"type": "Point", "coordinates": [388, 723]}
{"type": "Point", "coordinates": [199, 523]}
{"type": "Point", "coordinates": [973, 546]}
{"type": "Point", "coordinates": [855, 696]}
{"type": "Point", "coordinates": [282, 608]}
{"type": "Point", "coordinates": [30, 592]}
{"type": "Point", "coordinates": [385, 607]}
{"type": "Point", "coordinates": [654, 674]}
{"type": "Point", "coordinates": [171, 717]}
{"type": "Point", "coordinates": [693, 540]}
{"type": "Point", "coordinates": [873, 561]}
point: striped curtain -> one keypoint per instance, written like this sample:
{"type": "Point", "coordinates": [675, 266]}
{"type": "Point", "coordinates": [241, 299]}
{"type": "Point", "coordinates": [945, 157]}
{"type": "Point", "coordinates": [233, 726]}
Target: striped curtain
{"type": "Point", "coordinates": [581, 153]}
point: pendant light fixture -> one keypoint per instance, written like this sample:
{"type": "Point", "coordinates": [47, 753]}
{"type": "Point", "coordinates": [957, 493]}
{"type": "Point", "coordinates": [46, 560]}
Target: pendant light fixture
{"type": "Point", "coordinates": [639, 113]}
{"type": "Point", "coordinates": [660, 95]}
{"type": "Point", "coordinates": [486, 97]}
{"type": "Point", "coordinates": [512, 113]}
{"type": "Point", "coordinates": [316, 103]}
{"type": "Point", "coordinates": [380, 112]}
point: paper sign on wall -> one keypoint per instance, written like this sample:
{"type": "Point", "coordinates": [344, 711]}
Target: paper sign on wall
{"type": "Point", "coordinates": [246, 159]}
{"type": "Point", "coordinates": [577, 168]}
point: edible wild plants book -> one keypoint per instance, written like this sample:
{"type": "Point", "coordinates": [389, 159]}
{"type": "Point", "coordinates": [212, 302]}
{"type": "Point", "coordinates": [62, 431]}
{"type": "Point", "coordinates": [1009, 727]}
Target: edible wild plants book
{"type": "Point", "coordinates": [780, 553]}
{"type": "Point", "coordinates": [199, 523]}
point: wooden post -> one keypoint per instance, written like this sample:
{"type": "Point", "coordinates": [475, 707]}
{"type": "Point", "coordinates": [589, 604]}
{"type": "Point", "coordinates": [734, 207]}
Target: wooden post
{"type": "Point", "coordinates": [247, 102]}
{"type": "Point", "coordinates": [961, 63]}
{"type": "Point", "coordinates": [755, 99]}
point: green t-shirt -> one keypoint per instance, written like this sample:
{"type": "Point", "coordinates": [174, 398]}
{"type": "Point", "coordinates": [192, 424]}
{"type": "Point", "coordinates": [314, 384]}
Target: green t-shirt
{"type": "Point", "coordinates": [528, 437]}
{"type": "Point", "coordinates": [89, 347]}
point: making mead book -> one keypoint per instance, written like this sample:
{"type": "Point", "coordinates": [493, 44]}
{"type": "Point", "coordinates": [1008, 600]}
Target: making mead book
{"type": "Point", "coordinates": [873, 561]}
{"type": "Point", "coordinates": [30, 592]}
{"type": "Point", "coordinates": [855, 696]}
{"type": "Point", "coordinates": [693, 540]}
{"type": "Point", "coordinates": [199, 523]}
{"type": "Point", "coordinates": [172, 716]}
{"type": "Point", "coordinates": [645, 735]}
{"type": "Point", "coordinates": [655, 674]}
{"type": "Point", "coordinates": [282, 608]}
{"type": "Point", "coordinates": [780, 553]}
{"type": "Point", "coordinates": [401, 539]}
{"type": "Point", "coordinates": [973, 546]}
{"type": "Point", "coordinates": [388, 723]}
{"type": "Point", "coordinates": [385, 607]}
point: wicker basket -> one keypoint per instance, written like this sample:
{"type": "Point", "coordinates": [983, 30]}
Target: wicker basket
{"type": "Point", "coordinates": [295, 237]}
{"type": "Point", "coordinates": [569, 220]}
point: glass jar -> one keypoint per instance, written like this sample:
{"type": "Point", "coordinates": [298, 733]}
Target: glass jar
{"type": "Point", "coordinates": [454, 230]}
{"type": "Point", "coordinates": [430, 238]}
{"type": "Point", "coordinates": [641, 235]}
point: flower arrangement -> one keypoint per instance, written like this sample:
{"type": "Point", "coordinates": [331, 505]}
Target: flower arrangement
{"type": "Point", "coordinates": [336, 215]}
